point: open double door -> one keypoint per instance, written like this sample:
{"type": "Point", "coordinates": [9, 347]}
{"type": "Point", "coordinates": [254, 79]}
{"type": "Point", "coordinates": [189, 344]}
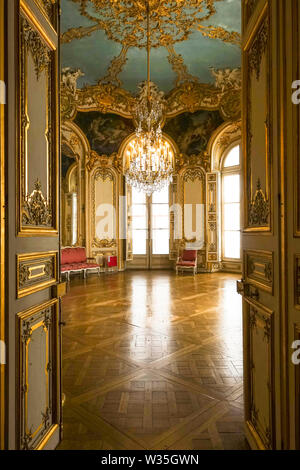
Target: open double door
{"type": "Point", "coordinates": [30, 288]}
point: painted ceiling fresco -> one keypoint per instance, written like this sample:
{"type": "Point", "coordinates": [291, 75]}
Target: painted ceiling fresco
{"type": "Point", "coordinates": [106, 40]}
{"type": "Point", "coordinates": [192, 131]}
{"type": "Point", "coordinates": [105, 132]}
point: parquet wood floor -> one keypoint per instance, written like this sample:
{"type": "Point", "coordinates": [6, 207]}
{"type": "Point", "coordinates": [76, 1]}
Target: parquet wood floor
{"type": "Point", "coordinates": [152, 360]}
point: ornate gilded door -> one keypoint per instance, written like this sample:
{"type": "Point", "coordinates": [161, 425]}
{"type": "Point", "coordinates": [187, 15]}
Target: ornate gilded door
{"type": "Point", "coordinates": [32, 270]}
{"type": "Point", "coordinates": [290, 245]}
{"type": "Point", "coordinates": [261, 235]}
{"type": "Point", "coordinates": [2, 226]}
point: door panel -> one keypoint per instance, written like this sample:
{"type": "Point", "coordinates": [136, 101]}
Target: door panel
{"type": "Point", "coordinates": [34, 411]}
{"type": "Point", "coordinates": [2, 223]}
{"type": "Point", "coordinates": [290, 14]}
{"type": "Point", "coordinates": [260, 235]}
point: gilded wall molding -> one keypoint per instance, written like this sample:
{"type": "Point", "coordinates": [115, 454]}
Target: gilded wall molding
{"type": "Point", "coordinates": [105, 161]}
{"type": "Point", "coordinates": [103, 174]}
{"type": "Point", "coordinates": [40, 53]}
{"type": "Point", "coordinates": [258, 48]}
{"type": "Point", "coordinates": [184, 161]}
{"type": "Point", "coordinates": [48, 7]}
{"type": "Point", "coordinates": [250, 8]}
{"type": "Point", "coordinates": [193, 174]}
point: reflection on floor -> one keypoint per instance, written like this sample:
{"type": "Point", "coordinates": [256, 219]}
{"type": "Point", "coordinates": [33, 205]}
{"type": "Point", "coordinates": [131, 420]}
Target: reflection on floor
{"type": "Point", "coordinates": [153, 361]}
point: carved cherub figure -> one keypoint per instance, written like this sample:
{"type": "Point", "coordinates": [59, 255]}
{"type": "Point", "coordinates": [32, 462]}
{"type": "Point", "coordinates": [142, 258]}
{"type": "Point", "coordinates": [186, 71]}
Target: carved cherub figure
{"type": "Point", "coordinates": [69, 78]}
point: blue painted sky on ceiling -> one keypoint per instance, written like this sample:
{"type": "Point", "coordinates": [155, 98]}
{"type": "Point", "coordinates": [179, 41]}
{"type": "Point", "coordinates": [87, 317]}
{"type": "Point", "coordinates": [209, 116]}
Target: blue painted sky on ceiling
{"type": "Point", "coordinates": [93, 54]}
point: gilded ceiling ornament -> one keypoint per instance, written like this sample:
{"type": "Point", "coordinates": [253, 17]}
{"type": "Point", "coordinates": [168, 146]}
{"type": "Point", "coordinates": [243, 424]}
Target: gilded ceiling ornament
{"type": "Point", "coordinates": [230, 105]}
{"type": "Point", "coordinates": [227, 78]}
{"type": "Point", "coordinates": [106, 98]}
{"type": "Point", "coordinates": [259, 208]}
{"type": "Point", "coordinates": [115, 68]}
{"type": "Point", "coordinates": [177, 63]}
{"type": "Point", "coordinates": [171, 21]}
{"type": "Point", "coordinates": [69, 78]}
{"type": "Point", "coordinates": [232, 37]}
{"type": "Point", "coordinates": [40, 53]}
{"type": "Point", "coordinates": [258, 48]}
{"type": "Point", "coordinates": [190, 97]}
{"type": "Point", "coordinates": [78, 33]}
{"type": "Point", "coordinates": [36, 209]}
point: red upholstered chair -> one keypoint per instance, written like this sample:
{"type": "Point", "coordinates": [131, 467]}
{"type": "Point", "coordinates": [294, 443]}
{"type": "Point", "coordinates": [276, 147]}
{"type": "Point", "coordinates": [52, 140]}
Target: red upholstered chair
{"type": "Point", "coordinates": [187, 261]}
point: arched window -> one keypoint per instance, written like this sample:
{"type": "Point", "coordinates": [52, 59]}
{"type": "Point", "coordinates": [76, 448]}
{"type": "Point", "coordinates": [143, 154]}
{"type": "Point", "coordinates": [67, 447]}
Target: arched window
{"type": "Point", "coordinates": [231, 207]}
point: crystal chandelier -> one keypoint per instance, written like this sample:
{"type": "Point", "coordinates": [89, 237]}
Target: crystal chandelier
{"type": "Point", "coordinates": [149, 158]}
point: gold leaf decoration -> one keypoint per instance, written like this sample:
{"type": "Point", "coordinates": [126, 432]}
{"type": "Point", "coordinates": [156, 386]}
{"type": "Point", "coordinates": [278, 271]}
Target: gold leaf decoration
{"type": "Point", "coordinates": [36, 209]}
{"type": "Point", "coordinates": [40, 53]}
{"type": "Point", "coordinates": [171, 21]}
{"type": "Point", "coordinates": [259, 209]}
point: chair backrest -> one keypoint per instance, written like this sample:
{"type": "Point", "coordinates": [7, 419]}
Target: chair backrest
{"type": "Point", "coordinates": [73, 255]}
{"type": "Point", "coordinates": [189, 255]}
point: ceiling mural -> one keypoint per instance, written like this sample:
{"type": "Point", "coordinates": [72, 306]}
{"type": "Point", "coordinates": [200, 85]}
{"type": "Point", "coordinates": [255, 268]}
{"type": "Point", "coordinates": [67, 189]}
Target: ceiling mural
{"type": "Point", "coordinates": [105, 132]}
{"type": "Point", "coordinates": [192, 131]}
{"type": "Point", "coordinates": [105, 40]}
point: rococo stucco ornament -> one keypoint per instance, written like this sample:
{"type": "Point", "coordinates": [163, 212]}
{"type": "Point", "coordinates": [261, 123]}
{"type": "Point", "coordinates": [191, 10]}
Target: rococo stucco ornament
{"type": "Point", "coordinates": [189, 96]}
{"type": "Point", "coordinates": [259, 209]}
{"type": "Point", "coordinates": [171, 21]}
{"type": "Point", "coordinates": [36, 210]}
{"type": "Point", "coordinates": [41, 55]}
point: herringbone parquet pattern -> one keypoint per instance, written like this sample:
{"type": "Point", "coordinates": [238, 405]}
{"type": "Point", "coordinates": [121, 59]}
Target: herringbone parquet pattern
{"type": "Point", "coordinates": [152, 360]}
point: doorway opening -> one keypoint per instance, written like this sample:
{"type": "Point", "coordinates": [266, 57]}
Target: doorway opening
{"type": "Point", "coordinates": [150, 228]}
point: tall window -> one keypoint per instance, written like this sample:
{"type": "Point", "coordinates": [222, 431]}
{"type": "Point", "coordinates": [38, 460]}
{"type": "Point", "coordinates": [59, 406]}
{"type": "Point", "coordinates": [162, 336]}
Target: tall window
{"type": "Point", "coordinates": [160, 222]}
{"type": "Point", "coordinates": [139, 223]}
{"type": "Point", "coordinates": [156, 210]}
{"type": "Point", "coordinates": [231, 207]}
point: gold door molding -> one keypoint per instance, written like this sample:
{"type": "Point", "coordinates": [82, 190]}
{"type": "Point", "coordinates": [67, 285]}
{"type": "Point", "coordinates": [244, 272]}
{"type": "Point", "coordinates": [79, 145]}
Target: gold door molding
{"type": "Point", "coordinates": [250, 7]}
{"type": "Point", "coordinates": [37, 105]}
{"type": "Point", "coordinates": [259, 269]}
{"type": "Point", "coordinates": [49, 10]}
{"type": "Point", "coordinates": [259, 374]}
{"type": "Point", "coordinates": [36, 271]}
{"type": "Point", "coordinates": [296, 118]}
{"type": "Point", "coordinates": [2, 226]}
{"type": "Point", "coordinates": [38, 364]}
{"type": "Point", "coordinates": [258, 164]}
{"type": "Point", "coordinates": [297, 391]}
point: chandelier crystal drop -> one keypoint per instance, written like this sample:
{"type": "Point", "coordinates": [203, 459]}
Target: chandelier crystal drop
{"type": "Point", "coordinates": [149, 158]}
